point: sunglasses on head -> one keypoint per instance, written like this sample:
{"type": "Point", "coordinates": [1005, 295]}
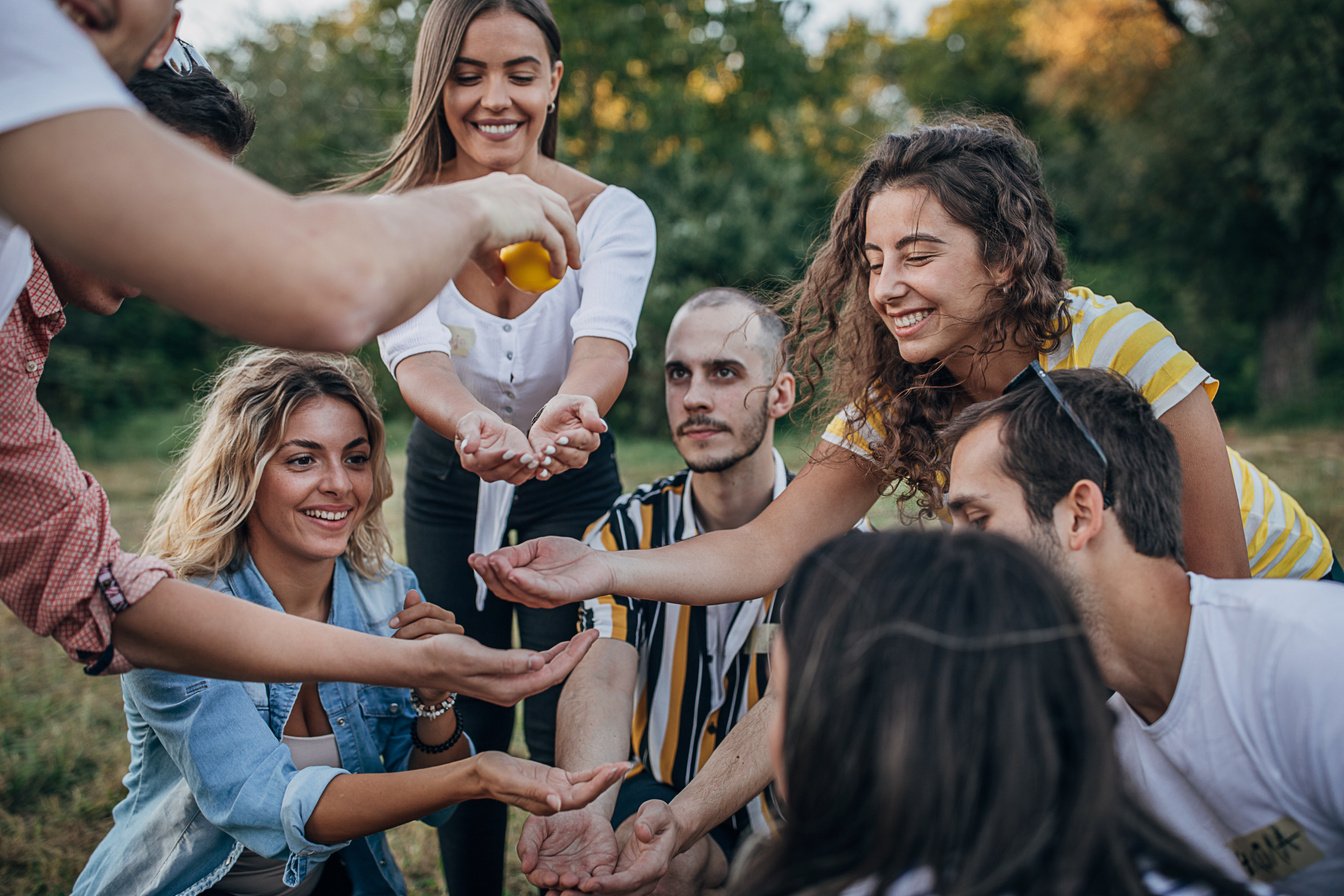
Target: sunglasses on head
{"type": "Point", "coordinates": [1033, 372]}
{"type": "Point", "coordinates": [183, 58]}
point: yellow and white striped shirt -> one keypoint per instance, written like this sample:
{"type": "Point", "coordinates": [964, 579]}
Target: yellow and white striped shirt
{"type": "Point", "coordinates": [1281, 540]}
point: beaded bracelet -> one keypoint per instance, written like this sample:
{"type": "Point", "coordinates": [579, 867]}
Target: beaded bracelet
{"type": "Point", "coordinates": [436, 748]}
{"type": "Point", "coordinates": [433, 712]}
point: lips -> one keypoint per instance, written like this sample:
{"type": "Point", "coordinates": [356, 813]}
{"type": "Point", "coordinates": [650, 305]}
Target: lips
{"type": "Point", "coordinates": [329, 516]}
{"type": "Point", "coordinates": [498, 129]}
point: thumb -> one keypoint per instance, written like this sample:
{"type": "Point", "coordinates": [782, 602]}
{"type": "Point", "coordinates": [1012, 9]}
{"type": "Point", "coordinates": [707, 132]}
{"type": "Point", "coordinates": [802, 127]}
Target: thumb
{"type": "Point", "coordinates": [490, 263]}
{"type": "Point", "coordinates": [469, 433]}
{"type": "Point", "coordinates": [413, 597]}
{"type": "Point", "coordinates": [586, 410]}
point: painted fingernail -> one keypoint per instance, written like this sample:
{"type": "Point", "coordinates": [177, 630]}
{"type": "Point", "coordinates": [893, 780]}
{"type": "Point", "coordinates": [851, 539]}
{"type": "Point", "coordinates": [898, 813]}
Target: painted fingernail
{"type": "Point", "coordinates": [544, 474]}
{"type": "Point", "coordinates": [550, 449]}
{"type": "Point", "coordinates": [545, 461]}
{"type": "Point", "coordinates": [562, 441]}
{"type": "Point", "coordinates": [510, 455]}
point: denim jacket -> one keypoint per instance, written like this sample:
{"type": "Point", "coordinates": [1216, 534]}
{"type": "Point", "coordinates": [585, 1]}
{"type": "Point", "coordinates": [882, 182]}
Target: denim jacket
{"type": "Point", "coordinates": [209, 774]}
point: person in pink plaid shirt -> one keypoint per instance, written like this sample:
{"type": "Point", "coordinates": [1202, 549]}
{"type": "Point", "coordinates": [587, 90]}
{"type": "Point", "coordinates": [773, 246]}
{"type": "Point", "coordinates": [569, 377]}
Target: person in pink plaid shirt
{"type": "Point", "coordinates": [63, 572]}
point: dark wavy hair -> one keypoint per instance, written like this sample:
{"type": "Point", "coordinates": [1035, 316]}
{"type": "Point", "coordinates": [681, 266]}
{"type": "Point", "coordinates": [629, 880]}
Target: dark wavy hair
{"type": "Point", "coordinates": [987, 176]}
{"type": "Point", "coordinates": [944, 715]}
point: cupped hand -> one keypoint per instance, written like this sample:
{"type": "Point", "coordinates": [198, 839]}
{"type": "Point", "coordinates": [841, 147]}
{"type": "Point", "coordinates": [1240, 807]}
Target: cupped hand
{"type": "Point", "coordinates": [563, 850]}
{"type": "Point", "coordinates": [568, 429]}
{"type": "Point", "coordinates": [492, 449]}
{"type": "Point", "coordinates": [514, 208]}
{"type": "Point", "coordinates": [545, 572]}
{"type": "Point", "coordinates": [542, 789]}
{"type": "Point", "coordinates": [648, 843]}
{"type": "Point", "coordinates": [502, 677]}
{"type": "Point", "coordinates": [420, 619]}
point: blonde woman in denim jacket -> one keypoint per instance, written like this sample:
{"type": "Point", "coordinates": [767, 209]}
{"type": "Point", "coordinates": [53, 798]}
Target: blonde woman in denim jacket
{"type": "Point", "coordinates": [246, 788]}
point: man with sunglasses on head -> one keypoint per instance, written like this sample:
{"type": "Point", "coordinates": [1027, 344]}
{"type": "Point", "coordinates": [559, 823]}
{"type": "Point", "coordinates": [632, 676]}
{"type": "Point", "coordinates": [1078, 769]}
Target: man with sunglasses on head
{"type": "Point", "coordinates": [1230, 722]}
{"type": "Point", "coordinates": [62, 570]}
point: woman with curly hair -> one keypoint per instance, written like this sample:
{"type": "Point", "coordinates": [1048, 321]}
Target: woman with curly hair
{"type": "Point", "coordinates": [944, 730]}
{"type": "Point", "coordinates": [940, 280]}
{"type": "Point", "coordinates": [258, 789]}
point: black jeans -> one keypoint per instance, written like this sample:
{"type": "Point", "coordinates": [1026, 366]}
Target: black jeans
{"type": "Point", "coordinates": [440, 532]}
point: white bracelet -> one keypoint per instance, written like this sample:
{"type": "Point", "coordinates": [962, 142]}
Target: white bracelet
{"type": "Point", "coordinates": [435, 711]}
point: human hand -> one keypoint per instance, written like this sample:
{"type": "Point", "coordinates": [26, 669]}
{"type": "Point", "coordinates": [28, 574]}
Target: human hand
{"type": "Point", "coordinates": [647, 842]}
{"type": "Point", "coordinates": [567, 430]}
{"type": "Point", "coordinates": [420, 619]}
{"type": "Point", "coordinates": [545, 572]}
{"type": "Point", "coordinates": [513, 208]}
{"type": "Point", "coordinates": [541, 789]}
{"type": "Point", "coordinates": [492, 449]}
{"type": "Point", "coordinates": [561, 851]}
{"type": "Point", "coordinates": [502, 677]}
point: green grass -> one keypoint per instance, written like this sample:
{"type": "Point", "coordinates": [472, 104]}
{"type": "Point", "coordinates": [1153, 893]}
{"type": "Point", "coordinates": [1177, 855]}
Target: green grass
{"type": "Point", "coordinates": [63, 747]}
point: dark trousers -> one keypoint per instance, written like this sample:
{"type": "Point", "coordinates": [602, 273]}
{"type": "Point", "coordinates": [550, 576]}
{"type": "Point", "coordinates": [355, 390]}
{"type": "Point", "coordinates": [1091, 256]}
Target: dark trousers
{"type": "Point", "coordinates": [440, 531]}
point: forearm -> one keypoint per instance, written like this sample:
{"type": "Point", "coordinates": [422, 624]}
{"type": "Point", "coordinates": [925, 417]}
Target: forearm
{"type": "Point", "coordinates": [327, 272]}
{"type": "Point", "coordinates": [358, 805]}
{"type": "Point", "coordinates": [736, 772]}
{"type": "Point", "coordinates": [594, 713]}
{"type": "Point", "coordinates": [598, 369]}
{"type": "Point", "coordinates": [180, 627]}
{"type": "Point", "coordinates": [433, 392]}
{"type": "Point", "coordinates": [439, 731]}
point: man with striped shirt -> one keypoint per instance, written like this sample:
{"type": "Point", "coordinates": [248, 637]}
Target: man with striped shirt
{"type": "Point", "coordinates": [666, 682]}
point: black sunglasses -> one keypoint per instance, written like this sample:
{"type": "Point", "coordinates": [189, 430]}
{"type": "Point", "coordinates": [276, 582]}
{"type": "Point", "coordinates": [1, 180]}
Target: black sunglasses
{"type": "Point", "coordinates": [183, 58]}
{"type": "Point", "coordinates": [1033, 372]}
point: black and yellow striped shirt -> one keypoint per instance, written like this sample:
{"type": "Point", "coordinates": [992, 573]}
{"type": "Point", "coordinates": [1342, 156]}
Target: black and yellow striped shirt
{"type": "Point", "coordinates": [700, 668]}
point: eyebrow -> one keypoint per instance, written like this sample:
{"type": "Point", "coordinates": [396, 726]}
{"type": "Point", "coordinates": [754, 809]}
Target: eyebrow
{"type": "Point", "coordinates": [521, 60]}
{"type": "Point", "coordinates": [712, 362]}
{"type": "Point", "coordinates": [317, 446]}
{"type": "Point", "coordinates": [958, 503]}
{"type": "Point", "coordinates": [909, 238]}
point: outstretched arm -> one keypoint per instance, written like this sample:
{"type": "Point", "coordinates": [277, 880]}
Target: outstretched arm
{"type": "Point", "coordinates": [185, 628]}
{"type": "Point", "coordinates": [222, 246]}
{"type": "Point", "coordinates": [832, 492]}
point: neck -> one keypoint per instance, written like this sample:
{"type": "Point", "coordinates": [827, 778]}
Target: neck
{"type": "Point", "coordinates": [734, 497]}
{"type": "Point", "coordinates": [462, 167]}
{"type": "Point", "coordinates": [986, 376]}
{"type": "Point", "coordinates": [1138, 625]}
{"type": "Point", "coordinates": [303, 587]}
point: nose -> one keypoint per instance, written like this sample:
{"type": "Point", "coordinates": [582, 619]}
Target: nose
{"type": "Point", "coordinates": [336, 480]}
{"type": "Point", "coordinates": [496, 94]}
{"type": "Point", "coordinates": [888, 286]}
{"type": "Point", "coordinates": [698, 395]}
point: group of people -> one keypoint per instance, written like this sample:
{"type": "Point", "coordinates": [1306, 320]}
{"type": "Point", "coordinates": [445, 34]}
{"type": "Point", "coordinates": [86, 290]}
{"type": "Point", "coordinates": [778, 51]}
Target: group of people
{"type": "Point", "coordinates": [1122, 684]}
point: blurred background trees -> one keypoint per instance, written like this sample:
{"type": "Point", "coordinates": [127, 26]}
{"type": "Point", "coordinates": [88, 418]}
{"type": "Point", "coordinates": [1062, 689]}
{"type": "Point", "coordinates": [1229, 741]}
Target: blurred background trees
{"type": "Point", "coordinates": [1195, 149]}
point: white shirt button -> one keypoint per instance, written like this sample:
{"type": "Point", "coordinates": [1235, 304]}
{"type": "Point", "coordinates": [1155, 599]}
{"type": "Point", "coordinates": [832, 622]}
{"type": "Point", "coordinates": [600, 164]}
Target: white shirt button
{"type": "Point", "coordinates": [32, 366]}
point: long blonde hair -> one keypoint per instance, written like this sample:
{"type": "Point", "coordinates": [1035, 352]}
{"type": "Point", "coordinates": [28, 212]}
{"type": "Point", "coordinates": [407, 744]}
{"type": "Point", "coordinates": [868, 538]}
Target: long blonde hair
{"type": "Point", "coordinates": [200, 522]}
{"type": "Point", "coordinates": [426, 143]}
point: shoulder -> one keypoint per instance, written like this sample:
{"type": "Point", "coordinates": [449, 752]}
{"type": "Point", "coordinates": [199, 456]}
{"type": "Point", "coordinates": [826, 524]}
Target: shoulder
{"type": "Point", "coordinates": [615, 207]}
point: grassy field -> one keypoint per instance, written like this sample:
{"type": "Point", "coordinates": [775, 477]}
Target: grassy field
{"type": "Point", "coordinates": [62, 740]}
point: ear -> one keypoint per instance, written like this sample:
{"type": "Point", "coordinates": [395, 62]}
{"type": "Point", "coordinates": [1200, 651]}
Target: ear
{"type": "Point", "coordinates": [557, 73]}
{"type": "Point", "coordinates": [160, 48]}
{"type": "Point", "coordinates": [783, 393]}
{"type": "Point", "coordinates": [1083, 514]}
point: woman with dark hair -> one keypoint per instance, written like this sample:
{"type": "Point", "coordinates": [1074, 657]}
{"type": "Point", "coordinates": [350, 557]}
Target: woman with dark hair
{"type": "Point", "coordinates": [944, 731]}
{"type": "Point", "coordinates": [508, 384]}
{"type": "Point", "coordinates": [941, 279]}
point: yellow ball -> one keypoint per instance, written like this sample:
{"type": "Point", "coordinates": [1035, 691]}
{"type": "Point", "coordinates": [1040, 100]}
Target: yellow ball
{"type": "Point", "coordinates": [528, 266]}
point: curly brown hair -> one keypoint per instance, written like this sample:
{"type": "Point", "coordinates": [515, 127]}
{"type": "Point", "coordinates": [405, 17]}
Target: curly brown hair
{"type": "Point", "coordinates": [987, 176]}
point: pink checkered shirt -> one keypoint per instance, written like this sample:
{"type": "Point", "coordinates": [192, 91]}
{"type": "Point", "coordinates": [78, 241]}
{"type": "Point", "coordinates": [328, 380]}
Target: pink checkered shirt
{"type": "Point", "coordinates": [62, 570]}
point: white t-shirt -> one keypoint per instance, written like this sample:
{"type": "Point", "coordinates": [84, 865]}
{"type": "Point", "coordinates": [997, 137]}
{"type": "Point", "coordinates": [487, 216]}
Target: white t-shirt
{"type": "Point", "coordinates": [1247, 763]}
{"type": "Point", "coordinates": [47, 69]}
{"type": "Point", "coordinates": [514, 366]}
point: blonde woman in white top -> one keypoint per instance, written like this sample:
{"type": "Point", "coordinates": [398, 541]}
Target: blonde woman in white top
{"type": "Point", "coordinates": [508, 387]}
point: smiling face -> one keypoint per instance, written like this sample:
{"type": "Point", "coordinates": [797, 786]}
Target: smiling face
{"type": "Point", "coordinates": [927, 281]}
{"type": "Point", "coordinates": [129, 34]}
{"type": "Point", "coordinates": [721, 387]}
{"type": "Point", "coordinates": [497, 94]}
{"type": "Point", "coordinates": [315, 489]}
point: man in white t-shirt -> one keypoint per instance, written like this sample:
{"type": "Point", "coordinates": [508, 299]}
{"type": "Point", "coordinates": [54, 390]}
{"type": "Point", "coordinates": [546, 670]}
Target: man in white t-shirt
{"type": "Point", "coordinates": [92, 177]}
{"type": "Point", "coordinates": [1230, 721]}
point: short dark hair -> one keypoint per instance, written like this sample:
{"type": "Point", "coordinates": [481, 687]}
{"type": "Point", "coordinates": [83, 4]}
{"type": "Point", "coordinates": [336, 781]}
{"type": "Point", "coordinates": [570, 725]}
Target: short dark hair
{"type": "Point", "coordinates": [196, 104]}
{"type": "Point", "coordinates": [943, 711]}
{"type": "Point", "coordinates": [773, 328]}
{"type": "Point", "coordinates": [1046, 454]}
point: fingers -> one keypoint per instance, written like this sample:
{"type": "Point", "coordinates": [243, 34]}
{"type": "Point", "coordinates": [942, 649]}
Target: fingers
{"type": "Point", "coordinates": [490, 265]}
{"type": "Point", "coordinates": [588, 786]}
{"type": "Point", "coordinates": [421, 619]}
{"type": "Point", "coordinates": [529, 847]}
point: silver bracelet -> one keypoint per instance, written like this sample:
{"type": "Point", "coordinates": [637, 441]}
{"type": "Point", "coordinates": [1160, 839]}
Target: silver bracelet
{"type": "Point", "coordinates": [435, 711]}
